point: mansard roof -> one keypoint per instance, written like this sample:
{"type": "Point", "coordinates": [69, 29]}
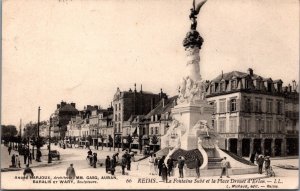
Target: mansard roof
{"type": "Point", "coordinates": [230, 75]}
{"type": "Point", "coordinates": [160, 109]}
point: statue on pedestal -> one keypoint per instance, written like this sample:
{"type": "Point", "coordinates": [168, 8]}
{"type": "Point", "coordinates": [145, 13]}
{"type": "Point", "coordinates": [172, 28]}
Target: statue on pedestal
{"type": "Point", "coordinates": [194, 12]}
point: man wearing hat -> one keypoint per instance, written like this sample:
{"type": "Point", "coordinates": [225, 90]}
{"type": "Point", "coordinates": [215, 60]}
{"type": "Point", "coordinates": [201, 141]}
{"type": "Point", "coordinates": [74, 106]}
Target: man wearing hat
{"type": "Point", "coordinates": [260, 162]}
{"type": "Point", "coordinates": [267, 163]}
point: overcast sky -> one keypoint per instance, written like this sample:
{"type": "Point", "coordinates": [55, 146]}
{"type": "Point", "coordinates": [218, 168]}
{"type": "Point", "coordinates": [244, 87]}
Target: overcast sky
{"type": "Point", "coordinates": [81, 51]}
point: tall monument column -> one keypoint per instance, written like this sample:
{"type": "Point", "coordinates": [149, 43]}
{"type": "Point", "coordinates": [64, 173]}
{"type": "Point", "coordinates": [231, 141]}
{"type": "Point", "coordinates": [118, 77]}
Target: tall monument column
{"type": "Point", "coordinates": [192, 112]}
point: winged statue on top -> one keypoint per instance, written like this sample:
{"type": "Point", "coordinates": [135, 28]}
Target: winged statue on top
{"type": "Point", "coordinates": [194, 12]}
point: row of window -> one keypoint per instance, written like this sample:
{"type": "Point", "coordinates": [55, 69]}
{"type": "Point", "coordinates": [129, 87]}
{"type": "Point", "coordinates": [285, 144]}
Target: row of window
{"type": "Point", "coordinates": [117, 117]}
{"type": "Point", "coordinates": [116, 107]}
{"type": "Point", "coordinates": [259, 85]}
{"type": "Point", "coordinates": [233, 106]}
{"type": "Point", "coordinates": [258, 106]}
{"type": "Point", "coordinates": [154, 130]}
{"type": "Point", "coordinates": [260, 125]}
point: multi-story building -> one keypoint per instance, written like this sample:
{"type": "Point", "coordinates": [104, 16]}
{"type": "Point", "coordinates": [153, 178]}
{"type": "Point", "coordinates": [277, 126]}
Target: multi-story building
{"type": "Point", "coordinates": [158, 120]}
{"type": "Point", "coordinates": [291, 103]}
{"type": "Point", "coordinates": [100, 124]}
{"type": "Point", "coordinates": [127, 103]}
{"type": "Point", "coordinates": [64, 112]}
{"type": "Point", "coordinates": [74, 128]}
{"type": "Point", "coordinates": [249, 113]}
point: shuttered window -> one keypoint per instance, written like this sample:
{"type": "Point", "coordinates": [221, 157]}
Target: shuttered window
{"type": "Point", "coordinates": [222, 106]}
{"type": "Point", "coordinates": [222, 125]}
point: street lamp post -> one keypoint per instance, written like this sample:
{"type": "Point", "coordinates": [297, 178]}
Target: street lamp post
{"type": "Point", "coordinates": [49, 155]}
{"type": "Point", "coordinates": [97, 137]}
{"type": "Point", "coordinates": [37, 141]}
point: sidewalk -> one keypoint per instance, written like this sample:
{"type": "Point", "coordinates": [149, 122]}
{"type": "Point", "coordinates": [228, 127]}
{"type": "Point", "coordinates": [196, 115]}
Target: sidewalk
{"type": "Point", "coordinates": [6, 160]}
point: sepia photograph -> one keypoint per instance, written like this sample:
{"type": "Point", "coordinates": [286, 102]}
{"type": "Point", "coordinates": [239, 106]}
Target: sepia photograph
{"type": "Point", "coordinates": [133, 94]}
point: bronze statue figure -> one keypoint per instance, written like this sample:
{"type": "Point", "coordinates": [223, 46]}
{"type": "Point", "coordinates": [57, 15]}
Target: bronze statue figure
{"type": "Point", "coordinates": [194, 12]}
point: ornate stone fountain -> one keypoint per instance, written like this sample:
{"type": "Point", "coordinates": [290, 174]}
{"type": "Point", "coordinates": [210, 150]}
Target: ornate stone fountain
{"type": "Point", "coordinates": [191, 132]}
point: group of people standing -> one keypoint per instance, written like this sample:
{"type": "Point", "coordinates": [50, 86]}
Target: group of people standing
{"type": "Point", "coordinates": [165, 170]}
{"type": "Point", "coordinates": [111, 163]}
{"type": "Point", "coordinates": [15, 159]}
{"type": "Point", "coordinates": [92, 157]}
{"type": "Point", "coordinates": [260, 161]}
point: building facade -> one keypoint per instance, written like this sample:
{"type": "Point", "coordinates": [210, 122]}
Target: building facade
{"type": "Point", "coordinates": [64, 112]}
{"type": "Point", "coordinates": [132, 102]}
{"type": "Point", "coordinates": [249, 113]}
{"type": "Point", "coordinates": [159, 120]}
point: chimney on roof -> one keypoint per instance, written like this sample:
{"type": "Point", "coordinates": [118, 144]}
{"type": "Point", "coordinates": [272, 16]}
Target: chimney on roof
{"type": "Point", "coordinates": [222, 74]}
{"type": "Point", "coordinates": [141, 88]}
{"type": "Point", "coordinates": [250, 71]}
{"type": "Point", "coordinates": [62, 103]}
{"type": "Point", "coordinates": [135, 87]}
{"type": "Point", "coordinates": [57, 106]}
{"type": "Point", "coordinates": [73, 104]}
{"type": "Point", "coordinates": [289, 88]}
{"type": "Point", "coordinates": [295, 85]}
{"type": "Point", "coordinates": [96, 107]}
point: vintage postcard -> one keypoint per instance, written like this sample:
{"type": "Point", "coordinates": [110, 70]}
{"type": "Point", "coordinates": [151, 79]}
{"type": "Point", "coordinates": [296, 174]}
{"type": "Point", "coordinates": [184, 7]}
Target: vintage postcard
{"type": "Point", "coordinates": [132, 94]}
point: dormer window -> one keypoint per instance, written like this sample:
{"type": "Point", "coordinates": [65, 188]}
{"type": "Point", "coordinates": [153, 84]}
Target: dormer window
{"type": "Point", "coordinates": [233, 84]}
{"type": "Point", "coordinates": [212, 89]}
{"type": "Point", "coordinates": [246, 84]}
{"type": "Point", "coordinates": [222, 86]}
{"type": "Point", "coordinates": [269, 88]}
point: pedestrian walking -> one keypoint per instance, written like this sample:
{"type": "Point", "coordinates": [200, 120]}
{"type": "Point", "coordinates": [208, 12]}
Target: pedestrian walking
{"type": "Point", "coordinates": [95, 160]}
{"type": "Point", "coordinates": [260, 163]}
{"type": "Point", "coordinates": [116, 158]}
{"type": "Point", "coordinates": [160, 164]}
{"type": "Point", "coordinates": [124, 162]}
{"type": "Point", "coordinates": [17, 161]}
{"type": "Point", "coordinates": [107, 164]}
{"type": "Point", "coordinates": [25, 157]}
{"type": "Point", "coordinates": [267, 164]}
{"type": "Point", "coordinates": [170, 164]}
{"type": "Point", "coordinates": [30, 157]}
{"type": "Point", "coordinates": [90, 152]}
{"type": "Point", "coordinates": [128, 159]}
{"type": "Point", "coordinates": [256, 156]}
{"type": "Point", "coordinates": [151, 165]}
{"type": "Point", "coordinates": [13, 160]}
{"type": "Point", "coordinates": [197, 166]}
{"type": "Point", "coordinates": [9, 150]}
{"type": "Point", "coordinates": [252, 157]}
{"type": "Point", "coordinates": [28, 172]}
{"type": "Point", "coordinates": [38, 155]}
{"type": "Point", "coordinates": [155, 164]}
{"type": "Point", "coordinates": [224, 165]}
{"type": "Point", "coordinates": [71, 172]}
{"type": "Point", "coordinates": [112, 166]}
{"type": "Point", "coordinates": [181, 163]}
{"type": "Point", "coordinates": [164, 172]}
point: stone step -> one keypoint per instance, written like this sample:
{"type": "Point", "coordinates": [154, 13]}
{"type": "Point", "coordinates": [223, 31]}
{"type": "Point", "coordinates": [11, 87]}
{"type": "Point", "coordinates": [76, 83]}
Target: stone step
{"type": "Point", "coordinates": [214, 165]}
{"type": "Point", "coordinates": [214, 159]}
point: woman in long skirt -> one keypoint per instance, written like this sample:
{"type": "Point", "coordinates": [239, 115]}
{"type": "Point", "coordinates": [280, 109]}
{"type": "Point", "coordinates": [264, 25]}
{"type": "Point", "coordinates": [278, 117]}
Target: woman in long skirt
{"type": "Point", "coordinates": [151, 165]}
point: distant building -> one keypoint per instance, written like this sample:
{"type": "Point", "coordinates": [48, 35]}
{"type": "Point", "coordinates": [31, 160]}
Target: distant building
{"type": "Point", "coordinates": [44, 129]}
{"type": "Point", "coordinates": [132, 102]}
{"type": "Point", "coordinates": [100, 123]}
{"type": "Point", "coordinates": [74, 128]}
{"type": "Point", "coordinates": [64, 112]}
{"type": "Point", "coordinates": [158, 120]}
{"type": "Point", "coordinates": [251, 114]}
